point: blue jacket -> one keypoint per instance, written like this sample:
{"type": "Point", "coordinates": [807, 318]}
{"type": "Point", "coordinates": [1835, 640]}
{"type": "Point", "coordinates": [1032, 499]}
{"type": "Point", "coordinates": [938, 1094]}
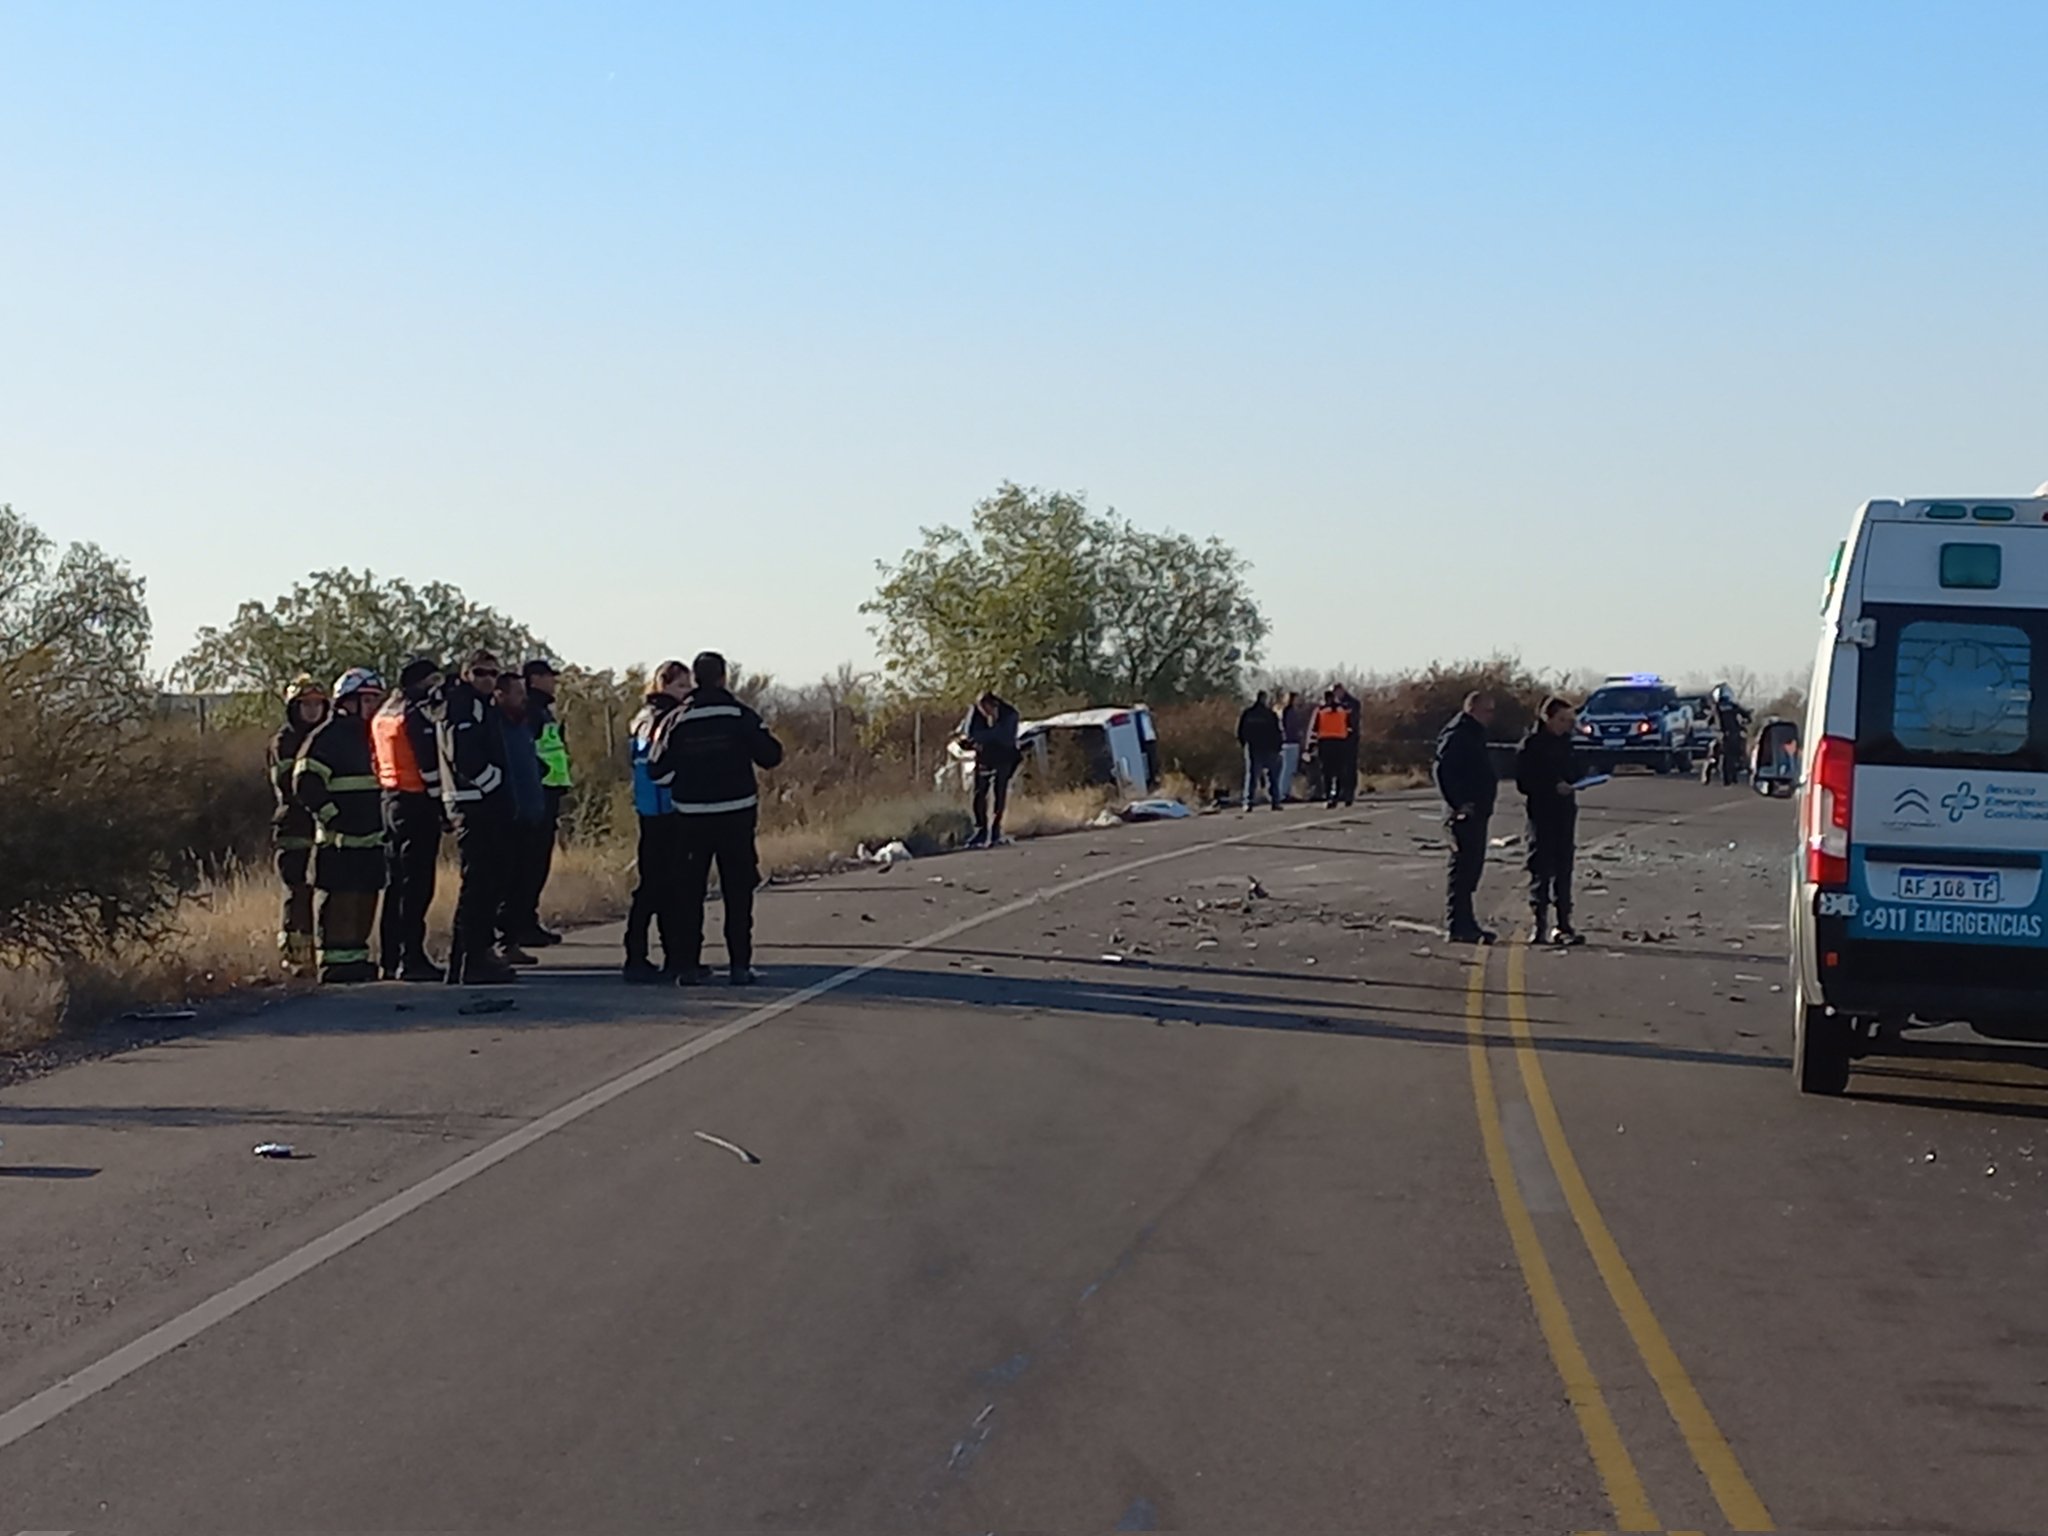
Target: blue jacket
{"type": "Point", "coordinates": [649, 798]}
{"type": "Point", "coordinates": [523, 775]}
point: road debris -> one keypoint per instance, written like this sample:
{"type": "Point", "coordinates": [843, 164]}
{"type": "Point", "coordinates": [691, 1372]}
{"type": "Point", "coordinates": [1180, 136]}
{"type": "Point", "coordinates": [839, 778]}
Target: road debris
{"type": "Point", "coordinates": [1154, 810]}
{"type": "Point", "coordinates": [1410, 925]}
{"type": "Point", "coordinates": [886, 857]}
{"type": "Point", "coordinates": [1253, 890]}
{"type": "Point", "coordinates": [277, 1151]}
{"type": "Point", "coordinates": [488, 1005]}
{"type": "Point", "coordinates": [867, 917]}
{"type": "Point", "coordinates": [161, 1015]}
{"type": "Point", "coordinates": [1507, 841]}
{"type": "Point", "coordinates": [719, 1141]}
{"type": "Point", "coordinates": [1112, 958]}
{"type": "Point", "coordinates": [1207, 944]}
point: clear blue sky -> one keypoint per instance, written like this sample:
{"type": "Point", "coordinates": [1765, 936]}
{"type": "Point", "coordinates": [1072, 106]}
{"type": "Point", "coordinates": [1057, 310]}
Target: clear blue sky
{"type": "Point", "coordinates": [1576, 330]}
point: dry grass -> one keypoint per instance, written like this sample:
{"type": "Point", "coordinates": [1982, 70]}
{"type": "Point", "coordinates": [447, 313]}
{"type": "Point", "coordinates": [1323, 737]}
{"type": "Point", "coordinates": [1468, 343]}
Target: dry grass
{"type": "Point", "coordinates": [225, 935]}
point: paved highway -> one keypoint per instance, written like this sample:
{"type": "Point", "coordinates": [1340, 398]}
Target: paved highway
{"type": "Point", "coordinates": [1164, 1178]}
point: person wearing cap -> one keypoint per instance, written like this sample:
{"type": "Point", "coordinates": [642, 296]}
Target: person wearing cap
{"type": "Point", "coordinates": [291, 825]}
{"type": "Point", "coordinates": [523, 777]}
{"type": "Point", "coordinates": [533, 855]}
{"type": "Point", "coordinates": [470, 738]}
{"type": "Point", "coordinates": [335, 782]}
{"type": "Point", "coordinates": [409, 773]}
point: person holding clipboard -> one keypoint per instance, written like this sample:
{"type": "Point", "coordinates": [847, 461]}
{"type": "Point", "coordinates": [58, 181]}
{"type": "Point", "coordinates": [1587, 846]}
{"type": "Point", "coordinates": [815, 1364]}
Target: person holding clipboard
{"type": "Point", "coordinates": [1548, 775]}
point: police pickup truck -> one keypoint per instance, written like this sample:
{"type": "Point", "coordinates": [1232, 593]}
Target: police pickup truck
{"type": "Point", "coordinates": [1636, 718]}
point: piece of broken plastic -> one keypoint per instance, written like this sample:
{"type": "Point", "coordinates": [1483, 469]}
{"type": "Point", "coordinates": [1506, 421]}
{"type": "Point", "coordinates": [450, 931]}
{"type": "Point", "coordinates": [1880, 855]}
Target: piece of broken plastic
{"type": "Point", "coordinates": [1155, 810]}
{"type": "Point", "coordinates": [281, 1150]}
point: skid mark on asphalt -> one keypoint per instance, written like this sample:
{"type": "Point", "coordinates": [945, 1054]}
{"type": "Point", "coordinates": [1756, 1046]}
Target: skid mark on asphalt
{"type": "Point", "coordinates": [1739, 1502]}
{"type": "Point", "coordinates": [26, 1417]}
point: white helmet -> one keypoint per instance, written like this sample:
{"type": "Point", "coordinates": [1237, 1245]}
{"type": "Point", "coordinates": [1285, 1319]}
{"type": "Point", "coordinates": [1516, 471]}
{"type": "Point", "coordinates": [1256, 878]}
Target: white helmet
{"type": "Point", "coordinates": [354, 681]}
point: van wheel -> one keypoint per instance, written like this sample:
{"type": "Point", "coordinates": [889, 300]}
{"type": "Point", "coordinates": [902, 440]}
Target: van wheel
{"type": "Point", "coordinates": [1820, 1046]}
{"type": "Point", "coordinates": [1666, 763]}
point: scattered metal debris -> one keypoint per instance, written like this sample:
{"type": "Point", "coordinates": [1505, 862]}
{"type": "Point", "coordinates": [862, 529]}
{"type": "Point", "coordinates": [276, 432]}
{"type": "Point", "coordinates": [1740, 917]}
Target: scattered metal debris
{"type": "Point", "coordinates": [719, 1141]}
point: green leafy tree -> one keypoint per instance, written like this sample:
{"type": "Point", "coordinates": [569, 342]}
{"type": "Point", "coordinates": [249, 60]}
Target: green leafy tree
{"type": "Point", "coordinates": [1054, 603]}
{"type": "Point", "coordinates": [335, 620]}
{"type": "Point", "coordinates": [89, 856]}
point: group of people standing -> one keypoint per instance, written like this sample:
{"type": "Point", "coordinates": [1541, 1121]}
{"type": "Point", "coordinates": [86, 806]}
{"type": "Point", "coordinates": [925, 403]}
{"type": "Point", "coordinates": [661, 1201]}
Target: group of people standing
{"type": "Point", "coordinates": [695, 749]}
{"type": "Point", "coordinates": [1280, 737]}
{"type": "Point", "coordinates": [1548, 775]}
{"type": "Point", "coordinates": [369, 781]}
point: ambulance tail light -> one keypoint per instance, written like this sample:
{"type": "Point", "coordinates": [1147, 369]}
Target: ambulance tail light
{"type": "Point", "coordinates": [1827, 811]}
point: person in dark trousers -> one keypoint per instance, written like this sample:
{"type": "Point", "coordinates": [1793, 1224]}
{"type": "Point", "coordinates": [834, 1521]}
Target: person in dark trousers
{"type": "Point", "coordinates": [409, 773]}
{"type": "Point", "coordinates": [525, 778]}
{"type": "Point", "coordinates": [536, 858]}
{"type": "Point", "coordinates": [471, 742]}
{"type": "Point", "coordinates": [1259, 733]}
{"type": "Point", "coordinates": [1294, 715]}
{"type": "Point", "coordinates": [705, 754]}
{"type": "Point", "coordinates": [990, 732]}
{"type": "Point", "coordinates": [1466, 780]}
{"type": "Point", "coordinates": [335, 780]}
{"type": "Point", "coordinates": [1547, 773]}
{"type": "Point", "coordinates": [1730, 722]}
{"type": "Point", "coordinates": [1333, 736]}
{"type": "Point", "coordinates": [291, 825]}
{"type": "Point", "coordinates": [659, 858]}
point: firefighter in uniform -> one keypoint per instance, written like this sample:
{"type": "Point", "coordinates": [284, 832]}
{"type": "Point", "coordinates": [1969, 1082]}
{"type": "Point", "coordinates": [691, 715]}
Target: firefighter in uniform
{"type": "Point", "coordinates": [1730, 721]}
{"type": "Point", "coordinates": [470, 738]}
{"type": "Point", "coordinates": [409, 773]}
{"type": "Point", "coordinates": [335, 780]}
{"type": "Point", "coordinates": [705, 753]}
{"type": "Point", "coordinates": [291, 828]}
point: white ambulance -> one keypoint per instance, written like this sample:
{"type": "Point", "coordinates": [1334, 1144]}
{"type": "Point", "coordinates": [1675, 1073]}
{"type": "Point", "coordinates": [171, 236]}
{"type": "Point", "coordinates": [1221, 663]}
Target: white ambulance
{"type": "Point", "coordinates": [1918, 896]}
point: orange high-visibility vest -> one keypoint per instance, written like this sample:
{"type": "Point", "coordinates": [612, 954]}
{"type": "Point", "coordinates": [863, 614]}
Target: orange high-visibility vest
{"type": "Point", "coordinates": [398, 766]}
{"type": "Point", "coordinates": [1332, 723]}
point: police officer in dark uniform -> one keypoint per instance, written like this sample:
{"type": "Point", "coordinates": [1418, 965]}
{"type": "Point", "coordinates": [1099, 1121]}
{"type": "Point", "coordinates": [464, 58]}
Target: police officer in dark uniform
{"type": "Point", "coordinates": [471, 742]}
{"type": "Point", "coordinates": [1466, 780]}
{"type": "Point", "coordinates": [1546, 772]}
{"type": "Point", "coordinates": [705, 754]}
{"type": "Point", "coordinates": [1729, 720]}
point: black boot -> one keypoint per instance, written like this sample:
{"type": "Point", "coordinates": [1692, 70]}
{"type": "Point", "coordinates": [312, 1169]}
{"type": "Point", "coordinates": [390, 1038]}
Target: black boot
{"type": "Point", "coordinates": [1539, 930]}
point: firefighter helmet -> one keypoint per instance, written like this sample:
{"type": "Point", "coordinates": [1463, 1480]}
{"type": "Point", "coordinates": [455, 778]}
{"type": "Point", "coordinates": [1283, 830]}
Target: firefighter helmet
{"type": "Point", "coordinates": [354, 681]}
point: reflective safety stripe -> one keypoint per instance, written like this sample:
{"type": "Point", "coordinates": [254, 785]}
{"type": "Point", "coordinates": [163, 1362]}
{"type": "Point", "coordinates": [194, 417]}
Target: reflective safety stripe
{"type": "Point", "coordinates": [312, 765]}
{"type": "Point", "coordinates": [344, 956]}
{"type": "Point", "coordinates": [282, 772]}
{"type": "Point", "coordinates": [711, 711]}
{"type": "Point", "coordinates": [328, 811]}
{"type": "Point", "coordinates": [349, 782]}
{"type": "Point", "coordinates": [291, 844]}
{"type": "Point", "coordinates": [718, 807]}
{"type": "Point", "coordinates": [328, 838]}
{"type": "Point", "coordinates": [490, 779]}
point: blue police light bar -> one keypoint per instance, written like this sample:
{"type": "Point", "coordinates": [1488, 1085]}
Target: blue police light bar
{"type": "Point", "coordinates": [1638, 679]}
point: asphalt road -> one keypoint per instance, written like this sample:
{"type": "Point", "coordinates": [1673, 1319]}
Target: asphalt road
{"type": "Point", "coordinates": [1095, 1190]}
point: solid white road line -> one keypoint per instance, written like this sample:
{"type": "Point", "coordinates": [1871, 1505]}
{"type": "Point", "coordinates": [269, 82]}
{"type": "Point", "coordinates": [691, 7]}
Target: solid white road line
{"type": "Point", "coordinates": [28, 1416]}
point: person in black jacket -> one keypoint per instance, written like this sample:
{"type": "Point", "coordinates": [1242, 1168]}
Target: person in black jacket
{"type": "Point", "coordinates": [990, 731]}
{"type": "Point", "coordinates": [1466, 780]}
{"type": "Point", "coordinates": [291, 825]}
{"type": "Point", "coordinates": [335, 780]}
{"type": "Point", "coordinates": [705, 753]}
{"type": "Point", "coordinates": [471, 742]}
{"type": "Point", "coordinates": [1259, 733]}
{"type": "Point", "coordinates": [1546, 771]}
{"type": "Point", "coordinates": [402, 737]}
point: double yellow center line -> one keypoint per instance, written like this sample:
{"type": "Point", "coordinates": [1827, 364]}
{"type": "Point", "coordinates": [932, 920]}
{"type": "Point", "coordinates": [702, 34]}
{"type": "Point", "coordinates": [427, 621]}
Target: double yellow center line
{"type": "Point", "coordinates": [1739, 1503]}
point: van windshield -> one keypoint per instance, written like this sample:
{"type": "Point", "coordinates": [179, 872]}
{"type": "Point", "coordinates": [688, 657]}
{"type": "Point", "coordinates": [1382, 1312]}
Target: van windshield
{"type": "Point", "coordinates": [1625, 701]}
{"type": "Point", "coordinates": [1953, 688]}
